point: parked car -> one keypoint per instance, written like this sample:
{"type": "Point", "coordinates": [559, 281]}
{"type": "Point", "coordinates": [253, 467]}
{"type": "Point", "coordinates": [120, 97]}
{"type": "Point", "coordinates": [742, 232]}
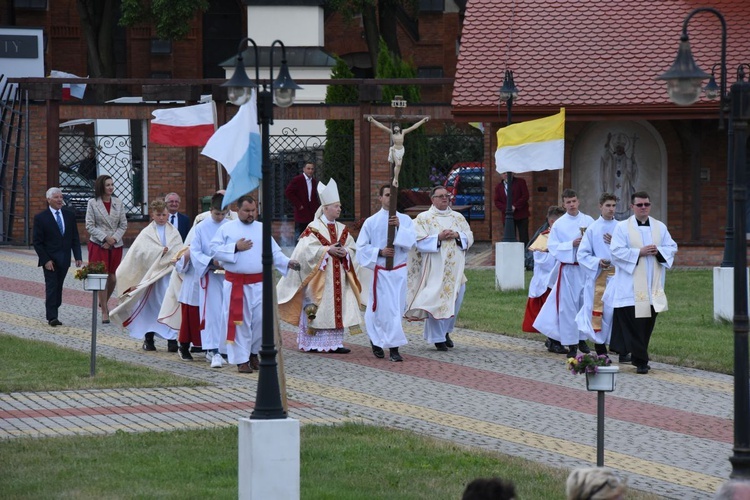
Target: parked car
{"type": "Point", "coordinates": [465, 183]}
{"type": "Point", "coordinates": [77, 190]}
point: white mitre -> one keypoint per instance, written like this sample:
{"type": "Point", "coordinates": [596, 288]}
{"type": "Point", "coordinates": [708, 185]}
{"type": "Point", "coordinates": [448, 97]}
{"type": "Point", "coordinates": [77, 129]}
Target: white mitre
{"type": "Point", "coordinates": [328, 193]}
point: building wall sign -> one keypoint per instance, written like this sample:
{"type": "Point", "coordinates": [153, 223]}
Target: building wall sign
{"type": "Point", "coordinates": [19, 47]}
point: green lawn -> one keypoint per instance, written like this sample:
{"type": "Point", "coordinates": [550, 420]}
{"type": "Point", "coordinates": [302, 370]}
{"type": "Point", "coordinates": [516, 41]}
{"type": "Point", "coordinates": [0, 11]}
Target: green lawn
{"type": "Point", "coordinates": [350, 461]}
{"type": "Point", "coordinates": [30, 365]}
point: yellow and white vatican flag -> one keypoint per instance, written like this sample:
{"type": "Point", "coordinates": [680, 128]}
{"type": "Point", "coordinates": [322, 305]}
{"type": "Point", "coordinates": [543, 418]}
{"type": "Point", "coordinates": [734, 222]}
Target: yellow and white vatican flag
{"type": "Point", "coordinates": [532, 146]}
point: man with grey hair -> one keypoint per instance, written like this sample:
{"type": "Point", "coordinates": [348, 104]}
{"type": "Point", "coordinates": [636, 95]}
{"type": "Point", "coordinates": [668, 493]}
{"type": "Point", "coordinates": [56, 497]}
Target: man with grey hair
{"type": "Point", "coordinates": [55, 236]}
{"type": "Point", "coordinates": [179, 220]}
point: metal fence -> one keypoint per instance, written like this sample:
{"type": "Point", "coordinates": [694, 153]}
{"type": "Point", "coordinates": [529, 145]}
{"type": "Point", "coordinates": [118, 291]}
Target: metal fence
{"type": "Point", "coordinates": [83, 158]}
{"type": "Point", "coordinates": [14, 119]}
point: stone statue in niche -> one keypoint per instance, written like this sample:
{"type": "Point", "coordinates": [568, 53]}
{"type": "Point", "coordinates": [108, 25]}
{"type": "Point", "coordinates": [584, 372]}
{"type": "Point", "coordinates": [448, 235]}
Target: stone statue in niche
{"type": "Point", "coordinates": [619, 170]}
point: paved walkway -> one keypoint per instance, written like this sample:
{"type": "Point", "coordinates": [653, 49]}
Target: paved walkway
{"type": "Point", "coordinates": [669, 433]}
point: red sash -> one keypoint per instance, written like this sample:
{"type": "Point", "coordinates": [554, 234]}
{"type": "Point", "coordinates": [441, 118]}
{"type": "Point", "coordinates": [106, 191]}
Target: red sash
{"type": "Point", "coordinates": [375, 283]}
{"type": "Point", "coordinates": [236, 298]}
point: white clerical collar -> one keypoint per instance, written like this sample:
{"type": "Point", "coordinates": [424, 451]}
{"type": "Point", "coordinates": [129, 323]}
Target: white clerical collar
{"type": "Point", "coordinates": [325, 220]}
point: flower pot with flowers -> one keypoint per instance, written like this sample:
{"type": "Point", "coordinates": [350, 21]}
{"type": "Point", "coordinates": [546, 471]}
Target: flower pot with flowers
{"type": "Point", "coordinates": [94, 276]}
{"type": "Point", "coordinates": [600, 375]}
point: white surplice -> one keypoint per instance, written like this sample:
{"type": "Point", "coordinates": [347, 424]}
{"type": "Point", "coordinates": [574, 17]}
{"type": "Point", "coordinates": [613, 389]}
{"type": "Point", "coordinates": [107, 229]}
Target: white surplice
{"type": "Point", "coordinates": [436, 272]}
{"type": "Point", "coordinates": [211, 285]}
{"type": "Point", "coordinates": [332, 284]}
{"type": "Point", "coordinates": [625, 258]}
{"type": "Point", "coordinates": [146, 269]}
{"type": "Point", "coordinates": [590, 252]}
{"type": "Point", "coordinates": [557, 319]}
{"type": "Point", "coordinates": [386, 303]}
{"type": "Point", "coordinates": [248, 335]}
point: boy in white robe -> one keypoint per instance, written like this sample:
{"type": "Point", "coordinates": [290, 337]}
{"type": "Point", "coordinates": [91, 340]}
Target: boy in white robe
{"type": "Point", "coordinates": [436, 269]}
{"type": "Point", "coordinates": [211, 284]}
{"type": "Point", "coordinates": [238, 246]}
{"type": "Point", "coordinates": [557, 319]}
{"type": "Point", "coordinates": [642, 249]}
{"type": "Point", "coordinates": [143, 276]}
{"type": "Point", "coordinates": [594, 320]}
{"type": "Point", "coordinates": [546, 268]}
{"type": "Point", "coordinates": [386, 303]}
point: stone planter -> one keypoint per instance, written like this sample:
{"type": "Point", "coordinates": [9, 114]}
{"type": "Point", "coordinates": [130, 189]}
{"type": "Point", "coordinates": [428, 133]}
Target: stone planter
{"type": "Point", "coordinates": [603, 380]}
{"type": "Point", "coordinates": [94, 282]}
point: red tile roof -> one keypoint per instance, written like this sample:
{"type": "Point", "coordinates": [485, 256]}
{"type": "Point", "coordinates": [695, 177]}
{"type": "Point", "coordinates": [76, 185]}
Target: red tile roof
{"type": "Point", "coordinates": [591, 57]}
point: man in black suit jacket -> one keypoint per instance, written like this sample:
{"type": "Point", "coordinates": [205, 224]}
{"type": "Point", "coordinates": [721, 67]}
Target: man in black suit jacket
{"type": "Point", "coordinates": [177, 219]}
{"type": "Point", "coordinates": [55, 236]}
{"type": "Point", "coordinates": [302, 192]}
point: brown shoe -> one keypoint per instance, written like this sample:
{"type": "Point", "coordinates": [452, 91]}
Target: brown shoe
{"type": "Point", "coordinates": [244, 368]}
{"type": "Point", "coordinates": [254, 364]}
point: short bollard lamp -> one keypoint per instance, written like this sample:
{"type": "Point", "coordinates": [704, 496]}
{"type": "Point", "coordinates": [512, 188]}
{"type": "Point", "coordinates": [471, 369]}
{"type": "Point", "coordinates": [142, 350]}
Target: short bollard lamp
{"type": "Point", "coordinates": [94, 276]}
{"type": "Point", "coordinates": [601, 377]}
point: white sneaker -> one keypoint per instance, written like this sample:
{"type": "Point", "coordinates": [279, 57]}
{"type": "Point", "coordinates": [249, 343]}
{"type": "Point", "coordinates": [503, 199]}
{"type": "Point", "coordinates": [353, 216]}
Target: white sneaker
{"type": "Point", "coordinates": [217, 361]}
{"type": "Point", "coordinates": [209, 356]}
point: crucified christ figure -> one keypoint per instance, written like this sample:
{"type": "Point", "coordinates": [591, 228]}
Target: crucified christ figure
{"type": "Point", "coordinates": [396, 152]}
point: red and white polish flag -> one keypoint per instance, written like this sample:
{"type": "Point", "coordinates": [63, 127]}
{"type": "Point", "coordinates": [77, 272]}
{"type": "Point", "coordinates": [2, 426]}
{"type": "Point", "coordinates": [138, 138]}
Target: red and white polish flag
{"type": "Point", "coordinates": [185, 126]}
{"type": "Point", "coordinates": [69, 90]}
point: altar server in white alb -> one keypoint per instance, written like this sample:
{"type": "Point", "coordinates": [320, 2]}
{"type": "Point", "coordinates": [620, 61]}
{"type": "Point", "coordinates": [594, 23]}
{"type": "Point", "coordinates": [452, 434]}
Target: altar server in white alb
{"type": "Point", "coordinates": [323, 298]}
{"type": "Point", "coordinates": [143, 279]}
{"type": "Point", "coordinates": [642, 249]}
{"type": "Point", "coordinates": [211, 284]}
{"type": "Point", "coordinates": [237, 246]}
{"type": "Point", "coordinates": [387, 301]}
{"type": "Point", "coordinates": [594, 320]}
{"type": "Point", "coordinates": [557, 319]}
{"type": "Point", "coordinates": [437, 282]}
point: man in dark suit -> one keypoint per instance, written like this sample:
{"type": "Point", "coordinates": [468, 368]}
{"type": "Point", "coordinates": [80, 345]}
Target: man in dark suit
{"type": "Point", "coordinates": [55, 236]}
{"type": "Point", "coordinates": [302, 192]}
{"type": "Point", "coordinates": [520, 204]}
{"type": "Point", "coordinates": [177, 219]}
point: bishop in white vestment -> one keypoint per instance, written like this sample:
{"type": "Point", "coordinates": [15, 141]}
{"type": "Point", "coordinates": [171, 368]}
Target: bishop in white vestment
{"type": "Point", "coordinates": [323, 298]}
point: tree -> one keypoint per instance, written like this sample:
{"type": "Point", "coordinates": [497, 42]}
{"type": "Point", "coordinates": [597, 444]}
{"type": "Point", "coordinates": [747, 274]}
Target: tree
{"type": "Point", "coordinates": [100, 17]}
{"type": "Point", "coordinates": [338, 154]}
{"type": "Point", "coordinates": [379, 20]}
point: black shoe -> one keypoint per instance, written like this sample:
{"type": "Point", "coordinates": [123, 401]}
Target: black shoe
{"type": "Point", "coordinates": [557, 348]}
{"type": "Point", "coordinates": [341, 350]}
{"type": "Point", "coordinates": [572, 351]}
{"type": "Point", "coordinates": [55, 322]}
{"type": "Point", "coordinates": [148, 342]}
{"type": "Point", "coordinates": [601, 349]}
{"type": "Point", "coordinates": [448, 341]}
{"type": "Point", "coordinates": [196, 349]}
{"type": "Point", "coordinates": [584, 347]}
{"type": "Point", "coordinates": [625, 358]}
{"type": "Point", "coordinates": [377, 351]}
{"type": "Point", "coordinates": [171, 346]}
{"type": "Point", "coordinates": [637, 365]}
{"type": "Point", "coordinates": [643, 369]}
{"type": "Point", "coordinates": [184, 352]}
{"type": "Point", "coordinates": [441, 346]}
{"type": "Point", "coordinates": [394, 355]}
{"type": "Point", "coordinates": [548, 344]}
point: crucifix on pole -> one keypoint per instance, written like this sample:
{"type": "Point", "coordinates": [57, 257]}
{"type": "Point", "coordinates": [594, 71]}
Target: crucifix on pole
{"type": "Point", "coordinates": [395, 156]}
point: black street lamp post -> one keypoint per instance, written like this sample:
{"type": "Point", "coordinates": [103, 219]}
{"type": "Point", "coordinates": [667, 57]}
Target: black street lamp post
{"type": "Point", "coordinates": [684, 81]}
{"type": "Point", "coordinates": [268, 404]}
{"type": "Point", "coordinates": [508, 93]}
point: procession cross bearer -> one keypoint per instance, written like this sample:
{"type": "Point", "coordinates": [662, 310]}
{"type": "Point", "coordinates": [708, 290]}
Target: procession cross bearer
{"type": "Point", "coordinates": [396, 155]}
